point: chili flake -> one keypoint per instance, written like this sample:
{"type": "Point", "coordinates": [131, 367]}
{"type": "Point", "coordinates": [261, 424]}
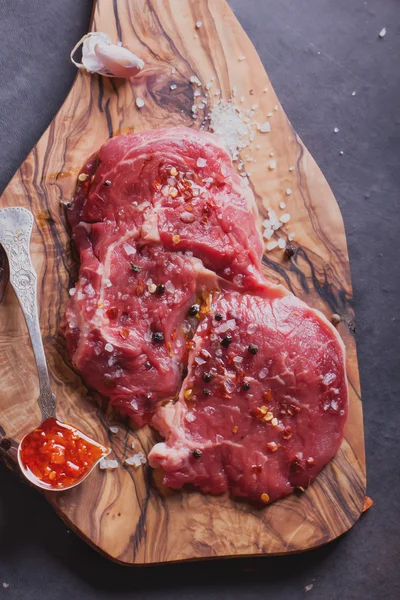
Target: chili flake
{"type": "Point", "coordinates": [124, 333]}
{"type": "Point", "coordinates": [264, 498]}
{"type": "Point", "coordinates": [272, 447]}
{"type": "Point", "coordinates": [112, 313]}
{"type": "Point", "coordinates": [176, 239]}
{"type": "Point", "coordinates": [235, 429]}
{"type": "Point", "coordinates": [188, 394]}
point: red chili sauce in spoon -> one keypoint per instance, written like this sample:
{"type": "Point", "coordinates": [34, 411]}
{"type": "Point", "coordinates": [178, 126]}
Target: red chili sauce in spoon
{"type": "Point", "coordinates": [58, 454]}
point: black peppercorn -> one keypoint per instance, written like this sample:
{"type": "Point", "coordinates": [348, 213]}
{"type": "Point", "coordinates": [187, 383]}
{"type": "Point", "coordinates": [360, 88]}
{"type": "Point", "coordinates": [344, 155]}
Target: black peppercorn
{"type": "Point", "coordinates": [158, 337]}
{"type": "Point", "coordinates": [245, 386]}
{"type": "Point", "coordinates": [160, 289]}
{"type": "Point", "coordinates": [252, 348]}
{"type": "Point", "coordinates": [206, 392]}
{"type": "Point", "coordinates": [147, 365]}
{"type": "Point", "coordinates": [290, 250]}
{"type": "Point", "coordinates": [218, 317]}
{"type": "Point", "coordinates": [226, 341]}
{"type": "Point", "coordinates": [197, 453]}
{"type": "Point", "coordinates": [206, 377]}
{"type": "Point", "coordinates": [193, 310]}
{"type": "Point", "coordinates": [107, 183]}
{"type": "Point", "coordinates": [136, 268]}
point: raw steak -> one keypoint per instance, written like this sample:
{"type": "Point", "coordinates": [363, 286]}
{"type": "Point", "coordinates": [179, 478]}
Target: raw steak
{"type": "Point", "coordinates": [170, 289]}
{"type": "Point", "coordinates": [263, 414]}
{"type": "Point", "coordinates": [143, 215]}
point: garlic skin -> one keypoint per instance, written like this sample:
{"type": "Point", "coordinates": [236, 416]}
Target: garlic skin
{"type": "Point", "coordinates": [100, 56]}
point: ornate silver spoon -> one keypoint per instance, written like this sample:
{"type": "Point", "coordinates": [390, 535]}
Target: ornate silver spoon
{"type": "Point", "coordinates": [55, 456]}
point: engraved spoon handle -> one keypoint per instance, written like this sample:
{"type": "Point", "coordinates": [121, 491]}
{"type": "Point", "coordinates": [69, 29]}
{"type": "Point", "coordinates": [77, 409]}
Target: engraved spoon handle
{"type": "Point", "coordinates": [15, 233]}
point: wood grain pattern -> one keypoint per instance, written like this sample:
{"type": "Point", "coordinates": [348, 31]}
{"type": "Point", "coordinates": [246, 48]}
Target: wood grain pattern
{"type": "Point", "coordinates": [123, 513]}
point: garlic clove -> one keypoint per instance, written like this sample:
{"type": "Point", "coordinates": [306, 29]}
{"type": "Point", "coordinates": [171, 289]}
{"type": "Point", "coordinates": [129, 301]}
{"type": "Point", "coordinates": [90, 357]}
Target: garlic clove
{"type": "Point", "coordinates": [118, 61]}
{"type": "Point", "coordinates": [100, 56]}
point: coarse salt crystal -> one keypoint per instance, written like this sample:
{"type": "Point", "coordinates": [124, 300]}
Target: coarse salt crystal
{"type": "Point", "coordinates": [112, 464]}
{"type": "Point", "coordinates": [272, 245]}
{"type": "Point", "coordinates": [252, 328]}
{"type": "Point", "coordinates": [209, 85]}
{"type": "Point", "coordinates": [129, 249]}
{"type": "Point", "coordinates": [195, 79]}
{"type": "Point", "coordinates": [353, 93]}
{"type": "Point", "coordinates": [291, 169]}
{"type": "Point", "coordinates": [254, 107]}
{"type": "Point", "coordinates": [263, 373]}
{"type": "Point", "coordinates": [103, 464]}
{"type": "Point", "coordinates": [238, 360]}
{"type": "Point", "coordinates": [244, 58]}
{"type": "Point", "coordinates": [336, 129]}
{"type": "Point", "coordinates": [108, 347]}
{"type": "Point", "coordinates": [272, 165]}
{"type": "Point", "coordinates": [139, 102]}
{"type": "Point", "coordinates": [282, 205]}
{"type": "Point", "coordinates": [199, 24]}
{"type": "Point", "coordinates": [341, 153]}
{"type": "Point", "coordinates": [291, 236]}
{"type": "Point", "coordinates": [201, 162]}
{"type": "Point", "coordinates": [268, 233]}
{"type": "Point", "coordinates": [72, 292]}
{"type": "Point", "coordinates": [190, 417]}
{"type": "Point", "coordinates": [276, 107]}
{"type": "Point", "coordinates": [382, 32]}
{"type": "Point", "coordinates": [114, 429]}
{"type": "Point", "coordinates": [264, 127]}
{"type": "Point", "coordinates": [288, 191]}
{"type": "Point", "coordinates": [282, 243]}
{"type": "Point", "coordinates": [173, 86]}
{"type": "Point", "coordinates": [285, 218]}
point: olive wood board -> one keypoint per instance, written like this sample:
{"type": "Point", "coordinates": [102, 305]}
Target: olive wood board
{"type": "Point", "coordinates": [125, 513]}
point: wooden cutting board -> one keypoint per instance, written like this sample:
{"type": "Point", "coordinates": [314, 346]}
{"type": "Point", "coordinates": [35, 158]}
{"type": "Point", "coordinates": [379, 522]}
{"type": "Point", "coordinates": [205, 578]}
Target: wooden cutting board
{"type": "Point", "coordinates": [124, 513]}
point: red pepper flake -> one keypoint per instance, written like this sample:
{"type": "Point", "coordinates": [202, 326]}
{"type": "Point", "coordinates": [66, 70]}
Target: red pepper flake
{"type": "Point", "coordinates": [235, 429]}
{"type": "Point", "coordinates": [264, 498]}
{"type": "Point", "coordinates": [287, 433]}
{"type": "Point", "coordinates": [272, 447]}
{"type": "Point", "coordinates": [169, 346]}
{"type": "Point", "coordinates": [157, 185]}
{"type": "Point", "coordinates": [310, 461]}
{"type": "Point", "coordinates": [173, 335]}
{"type": "Point", "coordinates": [367, 503]}
{"type": "Point", "coordinates": [140, 287]}
{"type": "Point", "coordinates": [176, 239]}
{"type": "Point", "coordinates": [296, 313]}
{"type": "Point", "coordinates": [112, 313]}
{"type": "Point", "coordinates": [190, 345]}
{"type": "Point", "coordinates": [267, 396]}
{"type": "Point", "coordinates": [256, 468]}
{"type": "Point", "coordinates": [124, 333]}
{"type": "Point", "coordinates": [295, 408]}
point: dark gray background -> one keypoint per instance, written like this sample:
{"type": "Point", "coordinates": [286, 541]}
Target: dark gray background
{"type": "Point", "coordinates": [316, 53]}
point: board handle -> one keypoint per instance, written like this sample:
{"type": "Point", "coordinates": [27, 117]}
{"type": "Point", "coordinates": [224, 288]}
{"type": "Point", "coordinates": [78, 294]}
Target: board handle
{"type": "Point", "coordinates": [15, 234]}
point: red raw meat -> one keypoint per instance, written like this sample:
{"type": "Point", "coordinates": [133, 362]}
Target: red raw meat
{"type": "Point", "coordinates": [261, 423]}
{"type": "Point", "coordinates": [131, 212]}
{"type": "Point", "coordinates": [169, 243]}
